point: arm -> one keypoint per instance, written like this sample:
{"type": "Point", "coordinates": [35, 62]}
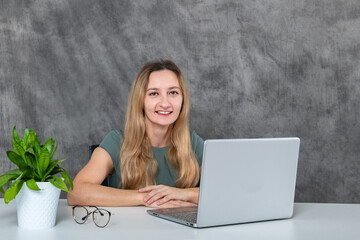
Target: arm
{"type": "Point", "coordinates": [89, 191]}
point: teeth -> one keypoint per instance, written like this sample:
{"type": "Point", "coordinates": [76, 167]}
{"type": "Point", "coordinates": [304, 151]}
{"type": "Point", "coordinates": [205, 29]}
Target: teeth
{"type": "Point", "coordinates": [163, 112]}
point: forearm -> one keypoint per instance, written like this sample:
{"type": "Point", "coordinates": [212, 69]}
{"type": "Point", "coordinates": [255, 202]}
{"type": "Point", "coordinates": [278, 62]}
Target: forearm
{"type": "Point", "coordinates": [89, 194]}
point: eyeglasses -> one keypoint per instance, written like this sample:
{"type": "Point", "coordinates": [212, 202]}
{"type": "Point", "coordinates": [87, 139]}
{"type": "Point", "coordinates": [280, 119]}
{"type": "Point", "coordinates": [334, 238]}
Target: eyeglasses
{"type": "Point", "coordinates": [101, 217]}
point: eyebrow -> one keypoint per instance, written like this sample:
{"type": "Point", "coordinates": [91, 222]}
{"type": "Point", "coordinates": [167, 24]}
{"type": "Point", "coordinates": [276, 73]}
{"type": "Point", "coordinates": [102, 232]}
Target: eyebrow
{"type": "Point", "coordinates": [152, 89]}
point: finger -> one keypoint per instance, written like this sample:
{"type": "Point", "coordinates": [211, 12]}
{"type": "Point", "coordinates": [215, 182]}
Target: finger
{"type": "Point", "coordinates": [172, 194]}
{"type": "Point", "coordinates": [166, 205]}
{"type": "Point", "coordinates": [149, 196]}
{"type": "Point", "coordinates": [160, 189]}
{"type": "Point", "coordinates": [157, 193]}
{"type": "Point", "coordinates": [163, 200]}
{"type": "Point", "coordinates": [157, 196]}
{"type": "Point", "coordinates": [166, 194]}
{"type": "Point", "coordinates": [149, 188]}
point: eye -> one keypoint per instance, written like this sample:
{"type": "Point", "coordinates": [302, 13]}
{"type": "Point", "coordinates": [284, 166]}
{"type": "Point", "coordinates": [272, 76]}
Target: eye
{"type": "Point", "coordinates": [174, 92]}
{"type": "Point", "coordinates": [153, 94]}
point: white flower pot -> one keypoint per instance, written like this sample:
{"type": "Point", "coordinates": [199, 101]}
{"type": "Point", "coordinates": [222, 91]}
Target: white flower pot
{"type": "Point", "coordinates": [37, 209]}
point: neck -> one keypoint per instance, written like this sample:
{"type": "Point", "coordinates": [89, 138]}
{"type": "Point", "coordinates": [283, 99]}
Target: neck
{"type": "Point", "coordinates": [159, 136]}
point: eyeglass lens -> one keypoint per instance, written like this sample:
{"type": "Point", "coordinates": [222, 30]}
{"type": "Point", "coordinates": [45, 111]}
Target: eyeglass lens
{"type": "Point", "coordinates": [101, 217]}
{"type": "Point", "coordinates": [80, 214]}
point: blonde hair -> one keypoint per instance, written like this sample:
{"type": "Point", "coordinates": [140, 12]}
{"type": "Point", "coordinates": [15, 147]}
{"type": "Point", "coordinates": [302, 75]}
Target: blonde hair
{"type": "Point", "coordinates": [137, 166]}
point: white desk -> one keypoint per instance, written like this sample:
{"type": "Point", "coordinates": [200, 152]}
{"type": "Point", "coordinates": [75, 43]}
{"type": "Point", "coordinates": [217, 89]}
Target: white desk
{"type": "Point", "coordinates": [310, 221]}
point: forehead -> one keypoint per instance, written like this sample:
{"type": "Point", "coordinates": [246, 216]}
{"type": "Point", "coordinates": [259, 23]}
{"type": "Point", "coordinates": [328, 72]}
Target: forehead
{"type": "Point", "coordinates": [163, 79]}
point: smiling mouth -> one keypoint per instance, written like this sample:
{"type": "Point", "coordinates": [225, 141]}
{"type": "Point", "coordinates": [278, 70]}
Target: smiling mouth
{"type": "Point", "coordinates": [163, 112]}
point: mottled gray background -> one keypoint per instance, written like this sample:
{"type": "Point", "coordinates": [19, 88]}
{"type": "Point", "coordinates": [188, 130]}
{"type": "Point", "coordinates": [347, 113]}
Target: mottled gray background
{"type": "Point", "coordinates": [255, 69]}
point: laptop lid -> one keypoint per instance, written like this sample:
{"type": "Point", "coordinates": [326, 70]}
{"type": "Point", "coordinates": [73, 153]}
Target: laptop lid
{"type": "Point", "coordinates": [247, 180]}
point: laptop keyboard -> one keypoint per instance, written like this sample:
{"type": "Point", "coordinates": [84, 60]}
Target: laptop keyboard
{"type": "Point", "coordinates": [187, 216]}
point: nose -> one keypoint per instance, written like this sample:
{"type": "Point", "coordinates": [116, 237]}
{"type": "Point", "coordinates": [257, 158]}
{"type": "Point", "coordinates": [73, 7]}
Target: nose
{"type": "Point", "coordinates": [164, 103]}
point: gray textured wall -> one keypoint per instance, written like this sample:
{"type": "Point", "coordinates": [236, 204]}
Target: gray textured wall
{"type": "Point", "coordinates": [255, 69]}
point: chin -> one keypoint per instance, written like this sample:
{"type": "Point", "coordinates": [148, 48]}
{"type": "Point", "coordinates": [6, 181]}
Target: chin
{"type": "Point", "coordinates": [155, 120]}
{"type": "Point", "coordinates": [164, 123]}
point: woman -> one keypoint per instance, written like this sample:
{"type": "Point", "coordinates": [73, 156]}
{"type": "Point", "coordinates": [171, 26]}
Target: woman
{"type": "Point", "coordinates": [156, 160]}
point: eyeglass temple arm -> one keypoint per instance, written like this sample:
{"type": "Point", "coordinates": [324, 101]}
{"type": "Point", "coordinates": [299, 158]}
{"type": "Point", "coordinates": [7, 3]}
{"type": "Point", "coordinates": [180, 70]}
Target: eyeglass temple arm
{"type": "Point", "coordinates": [98, 210]}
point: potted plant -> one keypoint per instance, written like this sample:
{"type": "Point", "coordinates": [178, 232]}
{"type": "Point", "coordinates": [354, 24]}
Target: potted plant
{"type": "Point", "coordinates": [34, 183]}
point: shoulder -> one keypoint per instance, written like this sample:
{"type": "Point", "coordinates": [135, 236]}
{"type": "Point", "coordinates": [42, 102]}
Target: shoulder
{"type": "Point", "coordinates": [115, 135]}
{"type": "Point", "coordinates": [112, 143]}
{"type": "Point", "coordinates": [195, 138]}
{"type": "Point", "coordinates": [197, 143]}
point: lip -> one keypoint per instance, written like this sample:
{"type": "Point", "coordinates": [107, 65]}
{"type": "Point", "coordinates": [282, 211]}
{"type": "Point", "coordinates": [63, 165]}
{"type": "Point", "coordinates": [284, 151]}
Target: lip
{"type": "Point", "coordinates": [163, 113]}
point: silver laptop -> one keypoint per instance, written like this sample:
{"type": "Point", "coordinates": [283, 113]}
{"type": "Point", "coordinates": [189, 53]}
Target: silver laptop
{"type": "Point", "coordinates": [242, 180]}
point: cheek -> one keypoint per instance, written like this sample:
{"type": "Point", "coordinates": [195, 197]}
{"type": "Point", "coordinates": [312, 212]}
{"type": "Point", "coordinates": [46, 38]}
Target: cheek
{"type": "Point", "coordinates": [148, 105]}
{"type": "Point", "coordinates": [178, 104]}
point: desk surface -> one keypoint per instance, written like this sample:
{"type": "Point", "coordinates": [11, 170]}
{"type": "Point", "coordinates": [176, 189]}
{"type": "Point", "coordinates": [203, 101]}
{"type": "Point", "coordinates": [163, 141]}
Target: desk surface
{"type": "Point", "coordinates": [310, 221]}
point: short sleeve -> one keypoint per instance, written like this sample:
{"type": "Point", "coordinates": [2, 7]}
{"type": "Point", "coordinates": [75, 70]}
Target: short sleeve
{"type": "Point", "coordinates": [197, 144]}
{"type": "Point", "coordinates": [112, 143]}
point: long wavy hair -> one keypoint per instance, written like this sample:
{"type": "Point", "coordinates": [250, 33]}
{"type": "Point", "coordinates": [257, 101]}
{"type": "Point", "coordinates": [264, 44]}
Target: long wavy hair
{"type": "Point", "coordinates": [138, 166]}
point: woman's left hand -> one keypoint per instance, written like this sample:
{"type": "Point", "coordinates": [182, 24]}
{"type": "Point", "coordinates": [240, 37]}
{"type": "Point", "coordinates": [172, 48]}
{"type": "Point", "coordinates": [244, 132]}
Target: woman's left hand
{"type": "Point", "coordinates": [162, 194]}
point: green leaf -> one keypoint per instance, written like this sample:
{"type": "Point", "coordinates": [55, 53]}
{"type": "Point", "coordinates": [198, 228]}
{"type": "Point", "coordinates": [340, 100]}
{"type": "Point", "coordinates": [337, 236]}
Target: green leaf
{"type": "Point", "coordinates": [30, 150]}
{"type": "Point", "coordinates": [18, 149]}
{"type": "Point", "coordinates": [2, 190]}
{"type": "Point", "coordinates": [5, 178]}
{"type": "Point", "coordinates": [67, 179]}
{"type": "Point", "coordinates": [49, 145]}
{"type": "Point", "coordinates": [32, 185]}
{"type": "Point", "coordinates": [16, 136]}
{"type": "Point", "coordinates": [56, 170]}
{"type": "Point", "coordinates": [44, 161]}
{"type": "Point", "coordinates": [59, 183]}
{"type": "Point", "coordinates": [37, 149]}
{"type": "Point", "coordinates": [53, 153]}
{"type": "Point", "coordinates": [14, 189]}
{"type": "Point", "coordinates": [51, 166]}
{"type": "Point", "coordinates": [24, 140]}
{"type": "Point", "coordinates": [32, 138]}
{"type": "Point", "coordinates": [33, 160]}
{"type": "Point", "coordinates": [9, 176]}
{"type": "Point", "coordinates": [30, 159]}
{"type": "Point", "coordinates": [28, 173]}
{"type": "Point", "coordinates": [16, 159]}
{"type": "Point", "coordinates": [31, 173]}
{"type": "Point", "coordinates": [13, 172]}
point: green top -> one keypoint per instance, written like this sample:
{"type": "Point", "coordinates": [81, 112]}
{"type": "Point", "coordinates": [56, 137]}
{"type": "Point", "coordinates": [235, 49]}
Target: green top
{"type": "Point", "coordinates": [166, 174]}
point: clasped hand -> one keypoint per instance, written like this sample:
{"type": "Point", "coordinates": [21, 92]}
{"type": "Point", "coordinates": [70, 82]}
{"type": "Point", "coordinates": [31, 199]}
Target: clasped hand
{"type": "Point", "coordinates": [160, 196]}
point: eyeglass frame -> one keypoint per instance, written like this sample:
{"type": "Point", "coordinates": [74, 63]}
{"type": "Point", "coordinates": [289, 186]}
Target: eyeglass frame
{"type": "Point", "coordinates": [89, 213]}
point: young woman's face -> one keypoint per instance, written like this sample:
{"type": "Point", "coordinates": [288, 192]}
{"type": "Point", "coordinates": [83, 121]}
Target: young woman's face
{"type": "Point", "coordinates": [163, 99]}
